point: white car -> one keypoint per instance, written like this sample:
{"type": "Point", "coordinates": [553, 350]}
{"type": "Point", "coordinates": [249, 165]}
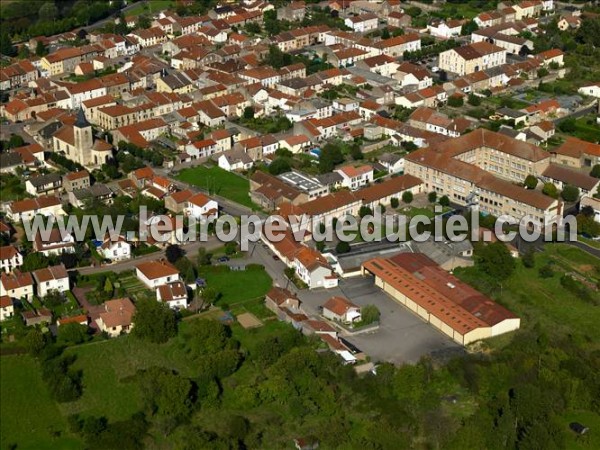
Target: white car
{"type": "Point", "coordinates": [435, 69]}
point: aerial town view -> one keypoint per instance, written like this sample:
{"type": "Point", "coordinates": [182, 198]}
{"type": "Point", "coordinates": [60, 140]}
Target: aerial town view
{"type": "Point", "coordinates": [307, 224]}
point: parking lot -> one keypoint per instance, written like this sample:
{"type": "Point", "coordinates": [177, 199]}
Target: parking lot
{"type": "Point", "coordinates": [402, 336]}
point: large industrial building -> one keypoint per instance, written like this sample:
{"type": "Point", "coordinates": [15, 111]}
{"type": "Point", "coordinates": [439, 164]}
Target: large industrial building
{"type": "Point", "coordinates": [439, 298]}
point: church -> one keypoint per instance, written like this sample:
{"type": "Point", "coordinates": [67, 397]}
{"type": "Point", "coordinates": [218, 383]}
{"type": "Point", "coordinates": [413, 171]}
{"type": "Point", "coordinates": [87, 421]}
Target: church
{"type": "Point", "coordinates": [78, 144]}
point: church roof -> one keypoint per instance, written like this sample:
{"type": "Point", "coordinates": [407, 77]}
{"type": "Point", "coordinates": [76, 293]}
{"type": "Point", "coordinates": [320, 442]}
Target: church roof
{"type": "Point", "coordinates": [81, 121]}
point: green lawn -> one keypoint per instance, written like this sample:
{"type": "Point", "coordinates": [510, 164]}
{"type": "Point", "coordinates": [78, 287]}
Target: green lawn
{"type": "Point", "coordinates": [587, 129]}
{"type": "Point", "coordinates": [237, 286]}
{"type": "Point", "coordinates": [545, 301]}
{"type": "Point", "coordinates": [30, 418]}
{"type": "Point", "coordinates": [589, 441]}
{"type": "Point", "coordinates": [220, 182]}
{"type": "Point", "coordinates": [153, 7]}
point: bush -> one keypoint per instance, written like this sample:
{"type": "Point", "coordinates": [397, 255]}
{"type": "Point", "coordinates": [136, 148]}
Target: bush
{"type": "Point", "coordinates": [432, 197]}
{"type": "Point", "coordinates": [474, 100]}
{"type": "Point", "coordinates": [530, 182]}
{"type": "Point", "coordinates": [444, 201]}
{"type": "Point", "coordinates": [342, 247]}
{"type": "Point", "coordinates": [407, 197]}
{"type": "Point", "coordinates": [550, 190]}
{"type": "Point", "coordinates": [529, 259]}
{"type": "Point", "coordinates": [570, 193]}
{"type": "Point", "coordinates": [394, 202]}
{"type": "Point", "coordinates": [455, 101]}
{"type": "Point", "coordinates": [546, 271]}
{"type": "Point", "coordinates": [369, 314]}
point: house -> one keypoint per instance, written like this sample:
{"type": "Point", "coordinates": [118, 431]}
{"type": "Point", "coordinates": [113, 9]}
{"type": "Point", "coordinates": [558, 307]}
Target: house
{"type": "Point", "coordinates": [37, 317]}
{"type": "Point", "coordinates": [355, 177]}
{"type": "Point", "coordinates": [393, 162]}
{"type": "Point", "coordinates": [362, 23]}
{"type": "Point", "coordinates": [100, 192]}
{"type": "Point", "coordinates": [445, 29]}
{"type": "Point", "coordinates": [18, 285]}
{"type": "Point", "coordinates": [46, 205]}
{"type": "Point", "coordinates": [80, 319]}
{"type": "Point", "coordinates": [115, 248]}
{"type": "Point", "coordinates": [285, 305]}
{"type": "Point", "coordinates": [177, 201]}
{"type": "Point", "coordinates": [53, 278]}
{"type": "Point", "coordinates": [269, 191]}
{"type": "Point", "coordinates": [472, 58]}
{"type": "Point", "coordinates": [156, 273]}
{"type": "Point", "coordinates": [594, 204]}
{"type": "Point", "coordinates": [577, 153]}
{"type": "Point", "coordinates": [10, 258]}
{"type": "Point", "coordinates": [48, 184]}
{"type": "Point", "coordinates": [544, 129]}
{"type": "Point", "coordinates": [296, 143]}
{"type": "Point", "coordinates": [235, 160]}
{"type": "Point", "coordinates": [202, 208]}
{"type": "Point", "coordinates": [76, 180]}
{"type": "Point", "coordinates": [54, 243]}
{"type": "Point", "coordinates": [313, 269]}
{"type": "Point", "coordinates": [116, 317]}
{"type": "Point", "coordinates": [173, 294]}
{"type": "Point", "coordinates": [562, 176]}
{"type": "Point", "coordinates": [569, 22]}
{"type": "Point", "coordinates": [7, 309]}
{"type": "Point", "coordinates": [410, 74]}
{"type": "Point", "coordinates": [592, 90]}
{"type": "Point", "coordinates": [398, 19]}
{"type": "Point", "coordinates": [342, 310]}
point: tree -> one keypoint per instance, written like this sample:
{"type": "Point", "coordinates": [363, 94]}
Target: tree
{"type": "Point", "coordinates": [474, 100]}
{"type": "Point", "coordinates": [173, 253]}
{"type": "Point", "coordinates": [34, 342]}
{"type": "Point", "coordinates": [568, 125]}
{"type": "Point", "coordinates": [167, 395]}
{"type": "Point", "coordinates": [550, 190]}
{"type": "Point", "coordinates": [342, 247]}
{"type": "Point", "coordinates": [529, 259]}
{"type": "Point", "coordinates": [204, 258]}
{"type": "Point", "coordinates": [542, 72]}
{"type": "Point", "coordinates": [407, 197]}
{"type": "Point", "coordinates": [365, 211]}
{"type": "Point", "coordinates": [6, 46]}
{"type": "Point", "coordinates": [530, 182]}
{"type": "Point", "coordinates": [444, 201]}
{"type": "Point", "coordinates": [34, 261]}
{"type": "Point", "coordinates": [15, 140]}
{"type": "Point", "coordinates": [546, 271]}
{"type": "Point", "coordinates": [385, 33]}
{"type": "Point", "coordinates": [595, 172]}
{"type": "Point", "coordinates": [469, 27]}
{"type": "Point", "coordinates": [209, 296]}
{"type": "Point", "coordinates": [455, 101]}
{"type": "Point", "coordinates": [72, 333]}
{"type": "Point", "coordinates": [280, 165]}
{"type": "Point", "coordinates": [154, 321]}
{"type": "Point", "coordinates": [495, 260]}
{"type": "Point", "coordinates": [48, 11]}
{"type": "Point", "coordinates": [586, 223]}
{"type": "Point", "coordinates": [248, 113]}
{"type": "Point", "coordinates": [369, 314]}
{"type": "Point", "coordinates": [570, 193]}
{"type": "Point", "coordinates": [394, 202]}
{"type": "Point", "coordinates": [289, 272]}
{"type": "Point", "coordinates": [356, 152]}
{"type": "Point", "coordinates": [432, 197]}
{"type": "Point", "coordinates": [331, 155]}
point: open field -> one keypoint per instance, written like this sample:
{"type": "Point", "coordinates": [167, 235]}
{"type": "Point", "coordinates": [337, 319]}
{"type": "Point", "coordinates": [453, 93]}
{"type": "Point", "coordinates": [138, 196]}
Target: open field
{"type": "Point", "coordinates": [236, 286]}
{"type": "Point", "coordinates": [545, 300]}
{"type": "Point", "coordinates": [220, 182]}
{"type": "Point", "coordinates": [30, 418]}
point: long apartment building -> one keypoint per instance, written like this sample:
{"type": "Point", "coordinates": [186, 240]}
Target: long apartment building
{"type": "Point", "coordinates": [482, 168]}
{"type": "Point", "coordinates": [472, 58]}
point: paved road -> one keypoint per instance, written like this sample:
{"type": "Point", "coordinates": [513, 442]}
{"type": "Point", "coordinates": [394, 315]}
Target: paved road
{"type": "Point", "coordinates": [191, 250]}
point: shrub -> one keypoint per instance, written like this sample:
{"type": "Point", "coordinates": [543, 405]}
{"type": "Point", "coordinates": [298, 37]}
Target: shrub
{"type": "Point", "coordinates": [407, 197]}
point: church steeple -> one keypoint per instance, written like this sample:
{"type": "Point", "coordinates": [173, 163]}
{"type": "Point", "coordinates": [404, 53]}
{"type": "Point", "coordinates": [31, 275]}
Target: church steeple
{"type": "Point", "coordinates": [81, 121]}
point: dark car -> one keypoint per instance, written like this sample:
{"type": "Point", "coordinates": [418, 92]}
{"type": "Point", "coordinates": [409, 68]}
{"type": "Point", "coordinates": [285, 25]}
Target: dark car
{"type": "Point", "coordinates": [223, 259]}
{"type": "Point", "coordinates": [276, 258]}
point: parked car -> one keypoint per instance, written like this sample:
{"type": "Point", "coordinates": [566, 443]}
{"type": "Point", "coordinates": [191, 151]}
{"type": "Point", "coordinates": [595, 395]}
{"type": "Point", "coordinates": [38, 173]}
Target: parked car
{"type": "Point", "coordinates": [435, 69]}
{"type": "Point", "coordinates": [276, 258]}
{"type": "Point", "coordinates": [223, 259]}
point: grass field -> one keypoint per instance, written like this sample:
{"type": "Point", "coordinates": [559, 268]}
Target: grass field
{"type": "Point", "coordinates": [220, 182]}
{"type": "Point", "coordinates": [587, 129]}
{"type": "Point", "coordinates": [237, 286]}
{"type": "Point", "coordinates": [544, 300]}
{"type": "Point", "coordinates": [153, 7]}
{"type": "Point", "coordinates": [592, 439]}
{"type": "Point", "coordinates": [30, 418]}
